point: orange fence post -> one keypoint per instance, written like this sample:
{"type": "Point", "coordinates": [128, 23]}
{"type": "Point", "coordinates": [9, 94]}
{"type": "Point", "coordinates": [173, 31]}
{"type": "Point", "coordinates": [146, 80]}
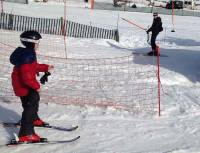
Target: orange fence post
{"type": "Point", "coordinates": [173, 30]}
{"type": "Point", "coordinates": [158, 76]}
{"type": "Point", "coordinates": [92, 4]}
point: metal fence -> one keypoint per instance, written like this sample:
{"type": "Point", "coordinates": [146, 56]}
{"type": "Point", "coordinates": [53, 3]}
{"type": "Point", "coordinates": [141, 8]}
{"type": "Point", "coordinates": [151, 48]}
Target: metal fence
{"type": "Point", "coordinates": [17, 1]}
{"type": "Point", "coordinates": [55, 27]}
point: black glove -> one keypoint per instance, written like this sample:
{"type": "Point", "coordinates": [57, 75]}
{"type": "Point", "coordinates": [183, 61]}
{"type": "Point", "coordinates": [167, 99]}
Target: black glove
{"type": "Point", "coordinates": [147, 32]}
{"type": "Point", "coordinates": [44, 78]}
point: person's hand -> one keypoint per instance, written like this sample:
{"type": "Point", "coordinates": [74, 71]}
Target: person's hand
{"type": "Point", "coordinates": [38, 90]}
{"type": "Point", "coordinates": [50, 67]}
{"type": "Point", "coordinates": [147, 32]}
{"type": "Point", "coordinates": [44, 78]}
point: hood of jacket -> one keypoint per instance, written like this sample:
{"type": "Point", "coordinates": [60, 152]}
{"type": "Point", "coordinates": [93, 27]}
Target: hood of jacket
{"type": "Point", "coordinates": [22, 56]}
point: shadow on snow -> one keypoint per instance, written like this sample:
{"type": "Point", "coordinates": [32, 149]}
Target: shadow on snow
{"type": "Point", "coordinates": [8, 115]}
{"type": "Point", "coordinates": [185, 62]}
{"type": "Point", "coordinates": [182, 42]}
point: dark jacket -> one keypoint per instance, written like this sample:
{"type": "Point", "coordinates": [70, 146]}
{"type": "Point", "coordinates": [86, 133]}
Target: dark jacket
{"type": "Point", "coordinates": [156, 27]}
{"type": "Point", "coordinates": [25, 70]}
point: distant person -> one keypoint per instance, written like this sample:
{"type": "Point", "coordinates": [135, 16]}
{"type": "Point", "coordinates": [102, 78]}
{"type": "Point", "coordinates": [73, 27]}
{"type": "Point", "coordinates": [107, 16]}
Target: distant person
{"type": "Point", "coordinates": [155, 28]}
{"type": "Point", "coordinates": [25, 84]}
{"type": "Point", "coordinates": [151, 3]}
{"type": "Point", "coordinates": [134, 6]}
{"type": "Point", "coordinates": [86, 4]}
{"type": "Point", "coordinates": [115, 4]}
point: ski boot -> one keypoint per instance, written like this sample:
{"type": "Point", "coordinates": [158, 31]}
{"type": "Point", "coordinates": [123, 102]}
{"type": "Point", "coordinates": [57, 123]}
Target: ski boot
{"type": "Point", "coordinates": [29, 138]}
{"type": "Point", "coordinates": [40, 123]}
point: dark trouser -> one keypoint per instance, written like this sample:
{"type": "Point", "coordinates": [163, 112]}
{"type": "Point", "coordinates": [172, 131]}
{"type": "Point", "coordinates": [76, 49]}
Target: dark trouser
{"type": "Point", "coordinates": [30, 104]}
{"type": "Point", "coordinates": [153, 41]}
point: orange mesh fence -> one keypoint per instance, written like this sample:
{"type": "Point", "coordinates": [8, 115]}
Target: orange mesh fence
{"type": "Point", "coordinates": [109, 82]}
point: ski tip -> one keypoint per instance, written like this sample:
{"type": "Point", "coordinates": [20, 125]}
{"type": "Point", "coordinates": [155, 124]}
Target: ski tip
{"type": "Point", "coordinates": [73, 128]}
{"type": "Point", "coordinates": [65, 129]}
{"type": "Point", "coordinates": [76, 138]}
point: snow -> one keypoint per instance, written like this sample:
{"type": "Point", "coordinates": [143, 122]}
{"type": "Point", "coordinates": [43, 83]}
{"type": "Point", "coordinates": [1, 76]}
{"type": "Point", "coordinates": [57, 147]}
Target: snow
{"type": "Point", "coordinates": [107, 130]}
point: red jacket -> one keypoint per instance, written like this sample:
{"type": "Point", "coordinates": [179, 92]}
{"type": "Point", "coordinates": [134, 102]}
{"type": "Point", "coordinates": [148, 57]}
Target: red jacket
{"type": "Point", "coordinates": [24, 72]}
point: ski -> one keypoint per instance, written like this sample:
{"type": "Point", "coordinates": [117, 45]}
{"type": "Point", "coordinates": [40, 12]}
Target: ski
{"type": "Point", "coordinates": [61, 128]}
{"type": "Point", "coordinates": [142, 54]}
{"type": "Point", "coordinates": [43, 141]}
{"type": "Point", "coordinates": [10, 124]}
{"type": "Point", "coordinates": [145, 54]}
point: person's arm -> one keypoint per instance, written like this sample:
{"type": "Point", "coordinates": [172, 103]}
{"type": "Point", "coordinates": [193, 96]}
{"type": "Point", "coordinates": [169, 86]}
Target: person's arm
{"type": "Point", "coordinates": [42, 67]}
{"type": "Point", "coordinates": [28, 76]}
{"type": "Point", "coordinates": [151, 28]}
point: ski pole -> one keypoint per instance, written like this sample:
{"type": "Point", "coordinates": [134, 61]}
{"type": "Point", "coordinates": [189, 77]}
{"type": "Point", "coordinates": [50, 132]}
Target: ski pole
{"type": "Point", "coordinates": [134, 24]}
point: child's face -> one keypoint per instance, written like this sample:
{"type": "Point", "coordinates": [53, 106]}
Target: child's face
{"type": "Point", "coordinates": [36, 46]}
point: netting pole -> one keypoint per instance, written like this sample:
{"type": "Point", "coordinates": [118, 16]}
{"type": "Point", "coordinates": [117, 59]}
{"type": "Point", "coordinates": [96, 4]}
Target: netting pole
{"type": "Point", "coordinates": [158, 76]}
{"type": "Point", "coordinates": [152, 3]}
{"type": "Point", "coordinates": [118, 21]}
{"type": "Point", "coordinates": [193, 4]}
{"type": "Point", "coordinates": [64, 27]}
{"type": "Point", "coordinates": [92, 4]}
{"type": "Point", "coordinates": [173, 16]}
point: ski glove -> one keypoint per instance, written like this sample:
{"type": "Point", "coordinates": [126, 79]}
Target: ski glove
{"type": "Point", "coordinates": [44, 78]}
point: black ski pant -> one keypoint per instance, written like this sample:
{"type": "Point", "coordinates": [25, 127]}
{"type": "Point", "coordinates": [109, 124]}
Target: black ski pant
{"type": "Point", "coordinates": [30, 104]}
{"type": "Point", "coordinates": [153, 40]}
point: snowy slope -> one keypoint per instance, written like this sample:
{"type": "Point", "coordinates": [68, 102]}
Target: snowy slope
{"type": "Point", "coordinates": [106, 130]}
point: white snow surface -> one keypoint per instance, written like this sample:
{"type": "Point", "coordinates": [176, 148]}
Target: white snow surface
{"type": "Point", "coordinates": [105, 130]}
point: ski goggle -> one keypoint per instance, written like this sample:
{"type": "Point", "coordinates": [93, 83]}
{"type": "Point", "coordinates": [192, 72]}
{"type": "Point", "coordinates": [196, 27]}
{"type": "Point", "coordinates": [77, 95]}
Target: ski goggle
{"type": "Point", "coordinates": [30, 40]}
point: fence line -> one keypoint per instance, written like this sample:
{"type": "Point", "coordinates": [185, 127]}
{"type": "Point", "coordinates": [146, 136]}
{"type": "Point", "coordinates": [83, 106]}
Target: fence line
{"type": "Point", "coordinates": [55, 26]}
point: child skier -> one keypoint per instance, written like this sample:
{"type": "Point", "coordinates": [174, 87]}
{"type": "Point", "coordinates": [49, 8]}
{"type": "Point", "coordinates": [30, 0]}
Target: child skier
{"type": "Point", "coordinates": [25, 84]}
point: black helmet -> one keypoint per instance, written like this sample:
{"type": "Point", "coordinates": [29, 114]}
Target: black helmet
{"type": "Point", "coordinates": [30, 38]}
{"type": "Point", "coordinates": [155, 14]}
